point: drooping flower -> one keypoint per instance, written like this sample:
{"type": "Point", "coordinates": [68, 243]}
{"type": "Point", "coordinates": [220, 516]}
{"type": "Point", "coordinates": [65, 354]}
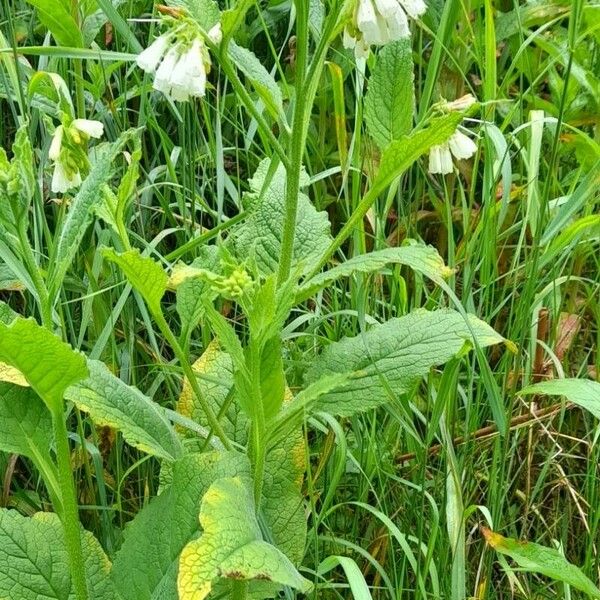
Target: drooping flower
{"type": "Point", "coordinates": [67, 151]}
{"type": "Point", "coordinates": [180, 61]}
{"type": "Point", "coordinates": [377, 22]}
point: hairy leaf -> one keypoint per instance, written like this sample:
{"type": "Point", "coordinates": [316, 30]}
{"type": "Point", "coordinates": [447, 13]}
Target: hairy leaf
{"type": "Point", "coordinates": [421, 258]}
{"type": "Point", "coordinates": [34, 563]}
{"type": "Point", "coordinates": [262, 81]}
{"type": "Point", "coordinates": [539, 559]}
{"type": "Point", "coordinates": [144, 274]}
{"type": "Point", "coordinates": [260, 234]}
{"type": "Point", "coordinates": [49, 365]}
{"type": "Point", "coordinates": [146, 566]}
{"type": "Point", "coordinates": [25, 423]}
{"type": "Point", "coordinates": [388, 359]}
{"type": "Point", "coordinates": [110, 401]}
{"type": "Point", "coordinates": [205, 12]}
{"type": "Point", "coordinates": [583, 392]}
{"type": "Point", "coordinates": [390, 99]}
{"type": "Point", "coordinates": [231, 545]}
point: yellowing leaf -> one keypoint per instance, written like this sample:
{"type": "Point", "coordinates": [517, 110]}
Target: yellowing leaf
{"type": "Point", "coordinates": [540, 559]}
{"type": "Point", "coordinates": [47, 363]}
{"type": "Point", "coordinates": [11, 375]}
{"type": "Point", "coordinates": [231, 545]}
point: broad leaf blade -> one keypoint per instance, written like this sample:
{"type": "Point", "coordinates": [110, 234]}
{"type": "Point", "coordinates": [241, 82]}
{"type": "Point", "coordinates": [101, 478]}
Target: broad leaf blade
{"type": "Point", "coordinates": [583, 392]}
{"type": "Point", "coordinates": [540, 559]}
{"type": "Point", "coordinates": [49, 365]}
{"type": "Point", "coordinates": [390, 98]}
{"type": "Point", "coordinates": [146, 566]}
{"type": "Point", "coordinates": [388, 359]}
{"type": "Point", "coordinates": [205, 12]}
{"type": "Point", "coordinates": [54, 15]}
{"type": "Point", "coordinates": [231, 545]}
{"type": "Point", "coordinates": [34, 563]}
{"type": "Point", "coordinates": [144, 274]}
{"type": "Point", "coordinates": [421, 258]}
{"type": "Point", "coordinates": [260, 234]}
{"type": "Point", "coordinates": [110, 401]}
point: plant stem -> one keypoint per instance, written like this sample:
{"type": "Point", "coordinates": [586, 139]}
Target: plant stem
{"type": "Point", "coordinates": [70, 515]}
{"type": "Point", "coordinates": [213, 422]}
{"type": "Point", "coordinates": [296, 143]}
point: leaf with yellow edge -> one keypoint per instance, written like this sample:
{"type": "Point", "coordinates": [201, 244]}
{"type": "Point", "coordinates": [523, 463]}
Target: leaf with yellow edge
{"type": "Point", "coordinates": [9, 374]}
{"type": "Point", "coordinates": [48, 364]}
{"type": "Point", "coordinates": [231, 545]}
{"type": "Point", "coordinates": [540, 559]}
{"type": "Point", "coordinates": [143, 273]}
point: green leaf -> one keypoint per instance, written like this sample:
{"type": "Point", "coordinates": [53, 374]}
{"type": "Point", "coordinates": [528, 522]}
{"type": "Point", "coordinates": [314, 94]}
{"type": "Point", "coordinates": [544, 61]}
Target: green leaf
{"type": "Point", "coordinates": [391, 357]}
{"type": "Point", "coordinates": [34, 563]}
{"type": "Point", "coordinates": [390, 98]}
{"type": "Point", "coordinates": [421, 258]}
{"type": "Point", "coordinates": [214, 370]}
{"type": "Point", "coordinates": [205, 12]}
{"type": "Point", "coordinates": [55, 16]}
{"type": "Point", "coordinates": [192, 292]}
{"type": "Point", "coordinates": [110, 401]}
{"type": "Point", "coordinates": [539, 559]}
{"type": "Point", "coordinates": [144, 274]}
{"type": "Point", "coordinates": [583, 392]}
{"type": "Point", "coordinates": [262, 81]}
{"type": "Point", "coordinates": [402, 153]}
{"type": "Point", "coordinates": [82, 210]}
{"type": "Point", "coordinates": [7, 314]}
{"type": "Point", "coordinates": [231, 545]}
{"type": "Point", "coordinates": [49, 364]}
{"type": "Point", "coordinates": [260, 234]}
{"type": "Point", "coordinates": [25, 423]}
{"type": "Point", "coordinates": [146, 566]}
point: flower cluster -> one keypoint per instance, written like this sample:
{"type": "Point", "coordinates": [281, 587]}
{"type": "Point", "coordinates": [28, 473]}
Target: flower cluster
{"type": "Point", "coordinates": [459, 145]}
{"type": "Point", "coordinates": [180, 61]}
{"type": "Point", "coordinates": [377, 22]}
{"type": "Point", "coordinates": [68, 152]}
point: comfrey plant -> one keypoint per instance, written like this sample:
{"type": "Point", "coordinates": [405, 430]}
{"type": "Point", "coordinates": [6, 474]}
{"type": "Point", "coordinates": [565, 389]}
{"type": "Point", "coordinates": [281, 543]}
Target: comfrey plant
{"type": "Point", "coordinates": [229, 521]}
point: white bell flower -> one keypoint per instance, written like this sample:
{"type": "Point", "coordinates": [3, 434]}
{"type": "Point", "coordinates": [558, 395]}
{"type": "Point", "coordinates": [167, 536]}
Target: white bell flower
{"type": "Point", "coordinates": [378, 22]}
{"type": "Point", "coordinates": [66, 174]}
{"type": "Point", "coordinates": [215, 34]}
{"type": "Point", "coordinates": [440, 157]}
{"type": "Point", "coordinates": [148, 59]}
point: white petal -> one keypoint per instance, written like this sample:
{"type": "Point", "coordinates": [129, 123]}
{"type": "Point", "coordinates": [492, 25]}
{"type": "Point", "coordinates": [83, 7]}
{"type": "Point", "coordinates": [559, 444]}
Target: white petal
{"type": "Point", "coordinates": [462, 103]}
{"type": "Point", "coordinates": [362, 49]}
{"type": "Point", "coordinates": [216, 34]}
{"type": "Point", "coordinates": [414, 8]}
{"type": "Point", "coordinates": [61, 182]}
{"type": "Point", "coordinates": [440, 159]}
{"type": "Point", "coordinates": [398, 25]}
{"type": "Point", "coordinates": [461, 145]}
{"type": "Point", "coordinates": [90, 127]}
{"type": "Point", "coordinates": [180, 93]}
{"type": "Point", "coordinates": [366, 21]}
{"type": "Point", "coordinates": [56, 143]}
{"type": "Point", "coordinates": [198, 85]}
{"type": "Point", "coordinates": [148, 60]}
{"type": "Point", "coordinates": [348, 39]}
{"type": "Point", "coordinates": [387, 7]}
{"type": "Point", "coordinates": [165, 71]}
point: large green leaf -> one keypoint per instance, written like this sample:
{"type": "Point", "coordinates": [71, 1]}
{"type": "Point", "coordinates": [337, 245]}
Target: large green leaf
{"type": "Point", "coordinates": [390, 98]}
{"type": "Point", "coordinates": [260, 234]}
{"type": "Point", "coordinates": [262, 81]}
{"type": "Point", "coordinates": [388, 359]}
{"type": "Point", "coordinates": [49, 365]}
{"type": "Point", "coordinates": [144, 274]}
{"type": "Point", "coordinates": [110, 401]}
{"type": "Point", "coordinates": [421, 258]}
{"type": "Point", "coordinates": [205, 12]}
{"type": "Point", "coordinates": [583, 392]}
{"type": "Point", "coordinates": [25, 423]}
{"type": "Point", "coordinates": [82, 210]}
{"type": "Point", "coordinates": [539, 559]}
{"type": "Point", "coordinates": [146, 566]}
{"type": "Point", "coordinates": [231, 545]}
{"type": "Point", "coordinates": [55, 15]}
{"type": "Point", "coordinates": [34, 563]}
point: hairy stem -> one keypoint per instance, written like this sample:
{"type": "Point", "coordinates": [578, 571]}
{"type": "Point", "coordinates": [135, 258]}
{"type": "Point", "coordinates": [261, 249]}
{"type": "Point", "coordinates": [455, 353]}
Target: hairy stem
{"type": "Point", "coordinates": [69, 513]}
